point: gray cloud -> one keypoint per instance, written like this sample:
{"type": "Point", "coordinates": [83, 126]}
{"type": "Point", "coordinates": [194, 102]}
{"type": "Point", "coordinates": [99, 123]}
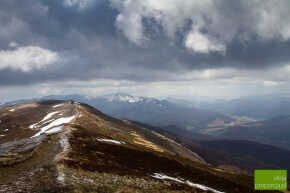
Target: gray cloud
{"type": "Point", "coordinates": [144, 41]}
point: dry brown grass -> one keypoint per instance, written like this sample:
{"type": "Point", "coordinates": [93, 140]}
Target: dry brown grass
{"type": "Point", "coordinates": [138, 139]}
{"type": "Point", "coordinates": [28, 105]}
{"type": "Point", "coordinates": [92, 166]}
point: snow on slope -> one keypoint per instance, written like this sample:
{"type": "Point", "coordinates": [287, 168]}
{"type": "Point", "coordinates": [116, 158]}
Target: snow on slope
{"type": "Point", "coordinates": [53, 124]}
{"type": "Point", "coordinates": [59, 105]}
{"type": "Point", "coordinates": [180, 180]}
{"type": "Point", "coordinates": [111, 141]}
{"type": "Point", "coordinates": [48, 116]}
{"type": "Point", "coordinates": [165, 177]}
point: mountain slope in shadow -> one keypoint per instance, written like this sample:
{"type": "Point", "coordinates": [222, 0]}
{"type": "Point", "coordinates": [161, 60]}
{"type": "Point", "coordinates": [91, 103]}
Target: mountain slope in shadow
{"type": "Point", "coordinates": [235, 155]}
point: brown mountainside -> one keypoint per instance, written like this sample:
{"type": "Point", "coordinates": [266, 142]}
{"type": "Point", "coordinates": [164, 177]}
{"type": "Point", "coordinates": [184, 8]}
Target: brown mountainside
{"type": "Point", "coordinates": [64, 146]}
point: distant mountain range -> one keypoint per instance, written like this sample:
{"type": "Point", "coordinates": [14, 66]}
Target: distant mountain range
{"type": "Point", "coordinates": [150, 110]}
{"type": "Point", "coordinates": [194, 122]}
{"type": "Point", "coordinates": [258, 107]}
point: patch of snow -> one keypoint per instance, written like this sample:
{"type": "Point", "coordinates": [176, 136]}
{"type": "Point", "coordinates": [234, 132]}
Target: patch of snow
{"type": "Point", "coordinates": [48, 116]}
{"type": "Point", "coordinates": [60, 177]}
{"type": "Point", "coordinates": [133, 100]}
{"type": "Point", "coordinates": [55, 130]}
{"type": "Point", "coordinates": [33, 126]}
{"type": "Point", "coordinates": [59, 105]}
{"type": "Point", "coordinates": [165, 177]}
{"type": "Point", "coordinates": [111, 141]}
{"type": "Point", "coordinates": [202, 187]}
{"type": "Point", "coordinates": [2, 135]}
{"type": "Point", "coordinates": [12, 110]}
{"type": "Point", "coordinates": [53, 124]}
{"type": "Point", "coordinates": [47, 122]}
{"type": "Point", "coordinates": [180, 180]}
{"type": "Point", "coordinates": [6, 130]}
{"type": "Point", "coordinates": [64, 144]}
{"type": "Point", "coordinates": [125, 98]}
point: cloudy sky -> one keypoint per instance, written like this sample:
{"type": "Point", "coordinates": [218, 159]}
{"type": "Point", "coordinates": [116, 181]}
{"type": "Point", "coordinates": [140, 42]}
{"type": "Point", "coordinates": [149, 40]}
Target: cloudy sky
{"type": "Point", "coordinates": [215, 48]}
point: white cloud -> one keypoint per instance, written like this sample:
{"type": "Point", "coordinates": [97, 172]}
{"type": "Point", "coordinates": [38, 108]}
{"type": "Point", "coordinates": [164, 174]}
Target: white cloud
{"type": "Point", "coordinates": [131, 26]}
{"type": "Point", "coordinates": [273, 19]}
{"type": "Point", "coordinates": [202, 43]}
{"type": "Point", "coordinates": [82, 4]}
{"type": "Point", "coordinates": [271, 83]}
{"type": "Point", "coordinates": [13, 44]}
{"type": "Point", "coordinates": [215, 83]}
{"type": "Point", "coordinates": [219, 22]}
{"type": "Point", "coordinates": [27, 58]}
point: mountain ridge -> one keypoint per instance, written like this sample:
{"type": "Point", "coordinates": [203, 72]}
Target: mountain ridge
{"type": "Point", "coordinates": [149, 110]}
{"type": "Point", "coordinates": [96, 152]}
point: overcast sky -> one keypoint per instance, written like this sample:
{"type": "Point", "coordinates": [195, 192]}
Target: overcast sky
{"type": "Point", "coordinates": [159, 48]}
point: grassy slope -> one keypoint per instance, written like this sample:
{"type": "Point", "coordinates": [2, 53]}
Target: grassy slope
{"type": "Point", "coordinates": [242, 154]}
{"type": "Point", "coordinates": [92, 166]}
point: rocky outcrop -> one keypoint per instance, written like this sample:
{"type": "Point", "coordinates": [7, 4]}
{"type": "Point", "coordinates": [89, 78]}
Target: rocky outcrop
{"type": "Point", "coordinates": [18, 151]}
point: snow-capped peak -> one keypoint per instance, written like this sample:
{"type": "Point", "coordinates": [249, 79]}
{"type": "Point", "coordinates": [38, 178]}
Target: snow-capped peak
{"type": "Point", "coordinates": [126, 98]}
{"type": "Point", "coordinates": [121, 97]}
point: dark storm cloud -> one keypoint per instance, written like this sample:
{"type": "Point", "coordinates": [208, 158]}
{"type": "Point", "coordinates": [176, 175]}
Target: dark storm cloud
{"type": "Point", "coordinates": [91, 44]}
